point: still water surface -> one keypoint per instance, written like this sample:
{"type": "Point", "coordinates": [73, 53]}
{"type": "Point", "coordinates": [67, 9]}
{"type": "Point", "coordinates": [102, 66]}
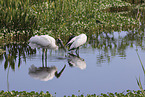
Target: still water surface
{"type": "Point", "coordinates": [108, 69]}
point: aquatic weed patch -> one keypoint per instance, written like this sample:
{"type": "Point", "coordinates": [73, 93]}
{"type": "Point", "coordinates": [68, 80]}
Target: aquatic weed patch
{"type": "Point", "coordinates": [24, 93]}
{"type": "Point", "coordinates": [60, 18]}
{"type": "Point", "coordinates": [103, 4]}
{"type": "Point", "coordinates": [128, 93]}
{"type": "Point", "coordinates": [116, 21]}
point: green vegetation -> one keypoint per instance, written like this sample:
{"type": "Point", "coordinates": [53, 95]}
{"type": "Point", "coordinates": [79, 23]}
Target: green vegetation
{"type": "Point", "coordinates": [20, 19]}
{"type": "Point", "coordinates": [128, 93]}
{"type": "Point", "coordinates": [60, 18]}
{"type": "Point", "coordinates": [15, 16]}
{"type": "Point", "coordinates": [14, 51]}
{"type": "Point", "coordinates": [1, 51]}
{"type": "Point", "coordinates": [24, 93]}
{"type": "Point", "coordinates": [138, 81]}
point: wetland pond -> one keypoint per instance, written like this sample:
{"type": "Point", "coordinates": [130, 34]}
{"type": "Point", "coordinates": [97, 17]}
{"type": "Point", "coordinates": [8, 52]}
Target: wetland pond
{"type": "Point", "coordinates": [107, 63]}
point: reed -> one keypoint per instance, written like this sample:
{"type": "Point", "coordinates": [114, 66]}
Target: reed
{"type": "Point", "coordinates": [15, 16]}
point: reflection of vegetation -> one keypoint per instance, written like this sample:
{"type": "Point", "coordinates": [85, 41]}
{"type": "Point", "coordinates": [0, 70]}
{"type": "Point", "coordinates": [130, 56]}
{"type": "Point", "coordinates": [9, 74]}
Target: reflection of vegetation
{"type": "Point", "coordinates": [8, 78]}
{"type": "Point", "coordinates": [108, 45]}
{"type": "Point", "coordinates": [16, 51]}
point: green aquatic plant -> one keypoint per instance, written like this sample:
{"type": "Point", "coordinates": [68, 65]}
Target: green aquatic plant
{"type": "Point", "coordinates": [24, 93]}
{"type": "Point", "coordinates": [15, 16]}
{"type": "Point", "coordinates": [128, 93]}
{"type": "Point", "coordinates": [74, 17]}
{"type": "Point", "coordinates": [61, 18]}
{"type": "Point", "coordinates": [15, 53]}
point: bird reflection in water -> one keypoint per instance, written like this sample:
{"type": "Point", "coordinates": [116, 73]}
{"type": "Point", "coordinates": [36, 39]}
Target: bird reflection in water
{"type": "Point", "coordinates": [45, 42]}
{"type": "Point", "coordinates": [76, 61]}
{"type": "Point", "coordinates": [45, 73]}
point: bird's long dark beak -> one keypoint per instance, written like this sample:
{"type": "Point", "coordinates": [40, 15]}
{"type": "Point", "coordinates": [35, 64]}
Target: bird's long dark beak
{"type": "Point", "coordinates": [59, 74]}
{"type": "Point", "coordinates": [61, 43]}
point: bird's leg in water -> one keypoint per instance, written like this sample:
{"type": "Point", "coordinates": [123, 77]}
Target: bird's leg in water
{"type": "Point", "coordinates": [45, 57]}
{"type": "Point", "coordinates": [77, 51]}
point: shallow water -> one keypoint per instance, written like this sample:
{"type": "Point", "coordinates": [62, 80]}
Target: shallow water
{"type": "Point", "coordinates": [108, 68]}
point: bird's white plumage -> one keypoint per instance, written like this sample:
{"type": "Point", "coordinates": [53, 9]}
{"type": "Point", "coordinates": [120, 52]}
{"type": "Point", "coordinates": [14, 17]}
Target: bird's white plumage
{"type": "Point", "coordinates": [77, 62]}
{"type": "Point", "coordinates": [42, 73]}
{"type": "Point", "coordinates": [77, 41]}
{"type": "Point", "coordinates": [43, 41]}
{"type": "Point", "coordinates": [72, 40]}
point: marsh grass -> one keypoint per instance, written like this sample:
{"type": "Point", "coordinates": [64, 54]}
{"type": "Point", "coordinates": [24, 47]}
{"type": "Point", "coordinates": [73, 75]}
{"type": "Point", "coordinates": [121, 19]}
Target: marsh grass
{"type": "Point", "coordinates": [74, 17]}
{"type": "Point", "coordinates": [15, 16]}
{"type": "Point", "coordinates": [1, 51]}
{"type": "Point", "coordinates": [61, 18]}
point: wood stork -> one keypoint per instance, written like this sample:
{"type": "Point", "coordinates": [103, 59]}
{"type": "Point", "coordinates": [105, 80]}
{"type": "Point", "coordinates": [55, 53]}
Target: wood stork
{"type": "Point", "coordinates": [44, 73]}
{"type": "Point", "coordinates": [76, 42]}
{"type": "Point", "coordinates": [44, 41]}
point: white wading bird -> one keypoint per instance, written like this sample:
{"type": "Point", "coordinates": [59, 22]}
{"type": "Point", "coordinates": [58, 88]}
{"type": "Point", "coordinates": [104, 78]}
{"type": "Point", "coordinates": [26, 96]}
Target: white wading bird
{"type": "Point", "coordinates": [75, 42]}
{"type": "Point", "coordinates": [44, 73]}
{"type": "Point", "coordinates": [45, 41]}
{"type": "Point", "coordinates": [76, 61]}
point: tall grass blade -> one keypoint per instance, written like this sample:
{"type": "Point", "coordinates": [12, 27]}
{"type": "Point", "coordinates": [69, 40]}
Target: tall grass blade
{"type": "Point", "coordinates": [138, 81]}
{"type": "Point", "coordinates": [140, 86]}
{"type": "Point", "coordinates": [140, 62]}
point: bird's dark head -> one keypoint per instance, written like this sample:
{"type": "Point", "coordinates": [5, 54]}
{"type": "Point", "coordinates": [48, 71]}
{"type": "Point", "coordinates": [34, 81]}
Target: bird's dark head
{"type": "Point", "coordinates": [60, 43]}
{"type": "Point", "coordinates": [72, 36]}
